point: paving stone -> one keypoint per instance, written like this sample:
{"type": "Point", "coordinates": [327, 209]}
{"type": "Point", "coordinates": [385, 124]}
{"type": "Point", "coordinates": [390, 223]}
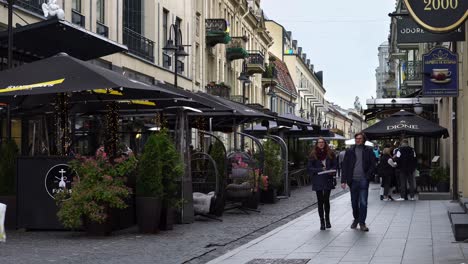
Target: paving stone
{"type": "Point", "coordinates": [278, 261]}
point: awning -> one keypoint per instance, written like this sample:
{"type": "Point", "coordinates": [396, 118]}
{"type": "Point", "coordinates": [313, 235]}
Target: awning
{"type": "Point", "coordinates": [49, 37]}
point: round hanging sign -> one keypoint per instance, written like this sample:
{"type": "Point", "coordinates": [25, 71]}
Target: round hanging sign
{"type": "Point", "coordinates": [439, 16]}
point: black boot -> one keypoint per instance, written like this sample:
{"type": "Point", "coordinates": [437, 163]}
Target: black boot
{"type": "Point", "coordinates": [327, 221]}
{"type": "Point", "coordinates": [322, 224]}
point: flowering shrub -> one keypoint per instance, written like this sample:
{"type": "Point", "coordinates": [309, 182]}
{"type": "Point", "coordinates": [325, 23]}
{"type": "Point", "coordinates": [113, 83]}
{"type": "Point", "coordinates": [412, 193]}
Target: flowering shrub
{"type": "Point", "coordinates": [101, 186]}
{"type": "Point", "coordinates": [238, 163]}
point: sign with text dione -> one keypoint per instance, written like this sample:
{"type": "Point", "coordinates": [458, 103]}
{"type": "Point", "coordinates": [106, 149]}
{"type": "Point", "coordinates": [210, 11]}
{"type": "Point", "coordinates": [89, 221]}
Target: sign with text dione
{"type": "Point", "coordinates": [409, 31]}
{"type": "Point", "coordinates": [440, 68]}
{"type": "Point", "coordinates": [439, 16]}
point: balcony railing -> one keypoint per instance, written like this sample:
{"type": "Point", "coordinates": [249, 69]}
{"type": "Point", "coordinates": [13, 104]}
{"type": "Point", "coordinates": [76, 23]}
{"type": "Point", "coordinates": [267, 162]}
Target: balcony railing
{"type": "Point", "coordinates": [102, 29]}
{"type": "Point", "coordinates": [239, 99]}
{"type": "Point", "coordinates": [220, 90]}
{"type": "Point", "coordinates": [138, 45]}
{"type": "Point", "coordinates": [78, 18]}
{"type": "Point", "coordinates": [270, 76]}
{"type": "Point", "coordinates": [236, 49]}
{"type": "Point", "coordinates": [217, 31]}
{"type": "Point", "coordinates": [255, 62]}
{"type": "Point", "coordinates": [34, 6]}
{"type": "Point", "coordinates": [413, 71]}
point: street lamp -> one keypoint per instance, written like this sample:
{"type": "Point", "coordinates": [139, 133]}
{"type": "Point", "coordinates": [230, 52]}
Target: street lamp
{"type": "Point", "coordinates": [245, 79]}
{"type": "Point", "coordinates": [175, 47]}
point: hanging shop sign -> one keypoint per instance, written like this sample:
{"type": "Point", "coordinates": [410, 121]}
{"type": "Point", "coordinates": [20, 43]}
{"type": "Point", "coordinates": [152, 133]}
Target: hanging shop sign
{"type": "Point", "coordinates": [408, 31]}
{"type": "Point", "coordinates": [440, 67]}
{"type": "Point", "coordinates": [439, 16]}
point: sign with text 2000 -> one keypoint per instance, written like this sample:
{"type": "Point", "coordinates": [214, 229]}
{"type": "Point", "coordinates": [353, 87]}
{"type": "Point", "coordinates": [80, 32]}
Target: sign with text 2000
{"type": "Point", "coordinates": [438, 16]}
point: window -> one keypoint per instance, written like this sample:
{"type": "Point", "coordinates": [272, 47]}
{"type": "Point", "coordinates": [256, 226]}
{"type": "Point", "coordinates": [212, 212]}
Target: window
{"type": "Point", "coordinates": [76, 5]}
{"type": "Point", "coordinates": [133, 15]}
{"type": "Point", "coordinates": [165, 25]}
{"type": "Point", "coordinates": [197, 28]}
{"type": "Point", "coordinates": [197, 62]}
{"type": "Point", "coordinates": [178, 22]}
{"type": "Point", "coordinates": [100, 11]}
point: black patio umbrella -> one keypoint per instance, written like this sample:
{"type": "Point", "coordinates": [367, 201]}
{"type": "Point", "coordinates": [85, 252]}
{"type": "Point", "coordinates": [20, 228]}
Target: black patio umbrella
{"type": "Point", "coordinates": [405, 124]}
{"type": "Point", "coordinates": [63, 73]}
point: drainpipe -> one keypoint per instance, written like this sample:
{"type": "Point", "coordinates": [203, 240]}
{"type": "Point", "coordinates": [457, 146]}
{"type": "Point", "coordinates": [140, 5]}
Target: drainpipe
{"type": "Point", "coordinates": [455, 141]}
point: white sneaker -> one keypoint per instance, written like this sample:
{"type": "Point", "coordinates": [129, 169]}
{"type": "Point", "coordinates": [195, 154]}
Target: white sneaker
{"type": "Point", "coordinates": [399, 199]}
{"type": "Point", "coordinates": [411, 199]}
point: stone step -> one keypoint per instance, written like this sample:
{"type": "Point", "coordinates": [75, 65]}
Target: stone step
{"type": "Point", "coordinates": [455, 209]}
{"type": "Point", "coordinates": [463, 201]}
{"type": "Point", "coordinates": [459, 226]}
{"type": "Point", "coordinates": [434, 196]}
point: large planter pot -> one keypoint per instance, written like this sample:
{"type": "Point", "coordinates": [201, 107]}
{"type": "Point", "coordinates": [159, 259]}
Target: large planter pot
{"type": "Point", "coordinates": [148, 214]}
{"type": "Point", "coordinates": [167, 217]}
{"type": "Point", "coordinates": [220, 202]}
{"type": "Point", "coordinates": [443, 187]}
{"type": "Point", "coordinates": [253, 201]}
{"type": "Point", "coordinates": [269, 196]}
{"type": "Point", "coordinates": [124, 218]}
{"type": "Point", "coordinates": [98, 229]}
{"type": "Point", "coordinates": [10, 220]}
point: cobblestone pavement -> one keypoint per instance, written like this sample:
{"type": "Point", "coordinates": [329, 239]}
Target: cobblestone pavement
{"type": "Point", "coordinates": [199, 242]}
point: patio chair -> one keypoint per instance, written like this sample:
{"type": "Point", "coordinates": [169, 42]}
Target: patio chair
{"type": "Point", "coordinates": [207, 201]}
{"type": "Point", "coordinates": [240, 188]}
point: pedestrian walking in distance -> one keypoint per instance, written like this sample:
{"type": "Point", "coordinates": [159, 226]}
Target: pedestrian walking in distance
{"type": "Point", "coordinates": [407, 162]}
{"type": "Point", "coordinates": [322, 169]}
{"type": "Point", "coordinates": [358, 170]}
{"type": "Point", "coordinates": [386, 170]}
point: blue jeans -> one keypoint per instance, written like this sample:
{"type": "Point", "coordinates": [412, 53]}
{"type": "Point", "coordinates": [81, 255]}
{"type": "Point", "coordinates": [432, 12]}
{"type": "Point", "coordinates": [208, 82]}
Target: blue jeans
{"type": "Point", "coordinates": [359, 194]}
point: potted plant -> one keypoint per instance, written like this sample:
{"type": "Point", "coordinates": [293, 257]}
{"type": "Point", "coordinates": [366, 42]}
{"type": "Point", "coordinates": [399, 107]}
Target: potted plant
{"type": "Point", "coordinates": [273, 170]}
{"type": "Point", "coordinates": [8, 155]}
{"type": "Point", "coordinates": [100, 188]}
{"type": "Point", "coordinates": [171, 169]}
{"type": "Point", "coordinates": [159, 170]}
{"type": "Point", "coordinates": [149, 187]}
{"type": "Point", "coordinates": [441, 178]}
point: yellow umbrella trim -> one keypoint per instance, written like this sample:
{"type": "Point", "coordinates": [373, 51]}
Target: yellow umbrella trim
{"type": "Point", "coordinates": [31, 86]}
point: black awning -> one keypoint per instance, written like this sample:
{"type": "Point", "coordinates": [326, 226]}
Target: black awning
{"type": "Point", "coordinates": [49, 37]}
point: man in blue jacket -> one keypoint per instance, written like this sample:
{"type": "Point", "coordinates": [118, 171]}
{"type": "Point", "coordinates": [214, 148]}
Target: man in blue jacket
{"type": "Point", "coordinates": [357, 170]}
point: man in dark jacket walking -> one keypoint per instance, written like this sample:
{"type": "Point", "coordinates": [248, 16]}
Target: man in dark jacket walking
{"type": "Point", "coordinates": [407, 162]}
{"type": "Point", "coordinates": [357, 170]}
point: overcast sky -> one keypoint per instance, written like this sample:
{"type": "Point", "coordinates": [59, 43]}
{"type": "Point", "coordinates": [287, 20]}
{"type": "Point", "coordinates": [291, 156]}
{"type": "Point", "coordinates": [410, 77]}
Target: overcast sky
{"type": "Point", "coordinates": [340, 38]}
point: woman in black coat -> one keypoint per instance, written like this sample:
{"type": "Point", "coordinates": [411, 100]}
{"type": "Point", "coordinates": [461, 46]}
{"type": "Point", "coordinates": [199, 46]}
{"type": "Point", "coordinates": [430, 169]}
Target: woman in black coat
{"type": "Point", "coordinates": [386, 170]}
{"type": "Point", "coordinates": [321, 159]}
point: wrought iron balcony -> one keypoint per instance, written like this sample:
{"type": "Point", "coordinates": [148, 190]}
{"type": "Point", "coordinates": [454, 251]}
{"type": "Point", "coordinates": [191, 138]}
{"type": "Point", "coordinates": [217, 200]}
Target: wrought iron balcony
{"type": "Point", "coordinates": [78, 19]}
{"type": "Point", "coordinates": [102, 29]}
{"type": "Point", "coordinates": [239, 99]}
{"type": "Point", "coordinates": [219, 89]}
{"type": "Point", "coordinates": [138, 45]}
{"type": "Point", "coordinates": [217, 31]}
{"type": "Point", "coordinates": [413, 73]}
{"type": "Point", "coordinates": [255, 62]}
{"type": "Point", "coordinates": [34, 6]}
{"type": "Point", "coordinates": [269, 76]}
{"type": "Point", "coordinates": [236, 49]}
